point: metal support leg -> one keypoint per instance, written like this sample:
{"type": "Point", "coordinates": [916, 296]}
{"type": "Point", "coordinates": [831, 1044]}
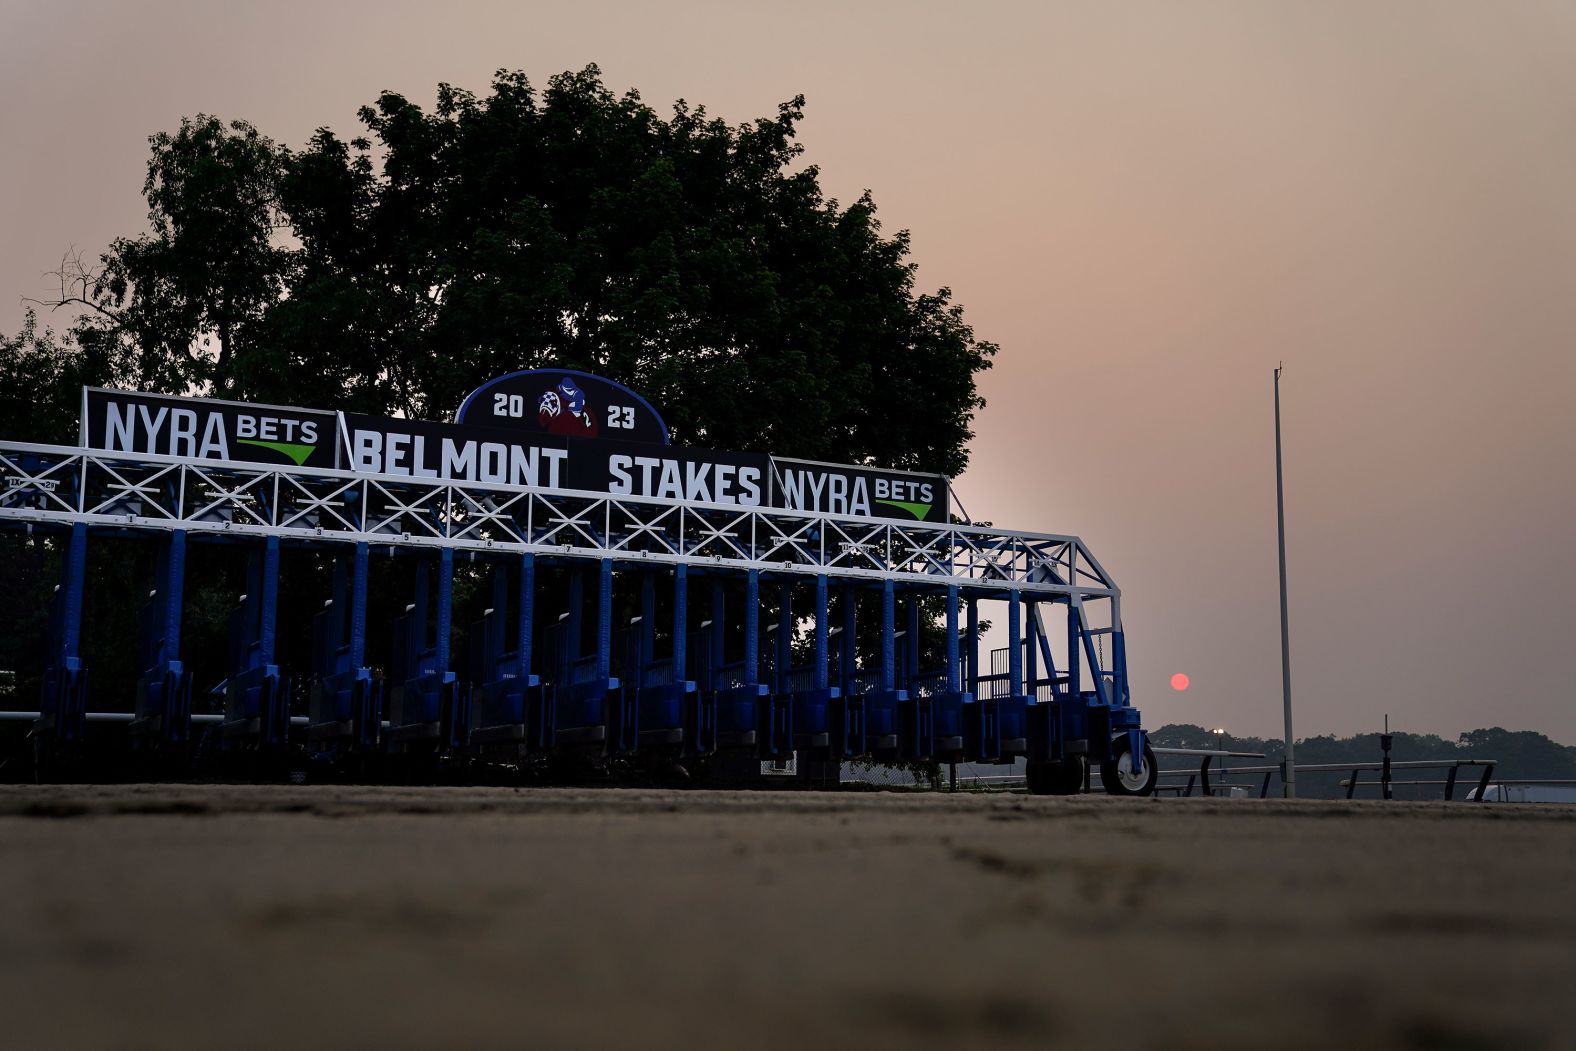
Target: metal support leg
{"type": "Point", "coordinates": [445, 607]}
{"type": "Point", "coordinates": [604, 620]}
{"type": "Point", "coordinates": [719, 620]}
{"type": "Point", "coordinates": [64, 702]}
{"type": "Point", "coordinates": [752, 627]}
{"type": "Point", "coordinates": [1031, 671]}
{"type": "Point", "coordinates": [1014, 643]}
{"type": "Point", "coordinates": [822, 677]}
{"type": "Point", "coordinates": [888, 636]}
{"type": "Point", "coordinates": [1074, 657]}
{"type": "Point", "coordinates": [784, 657]}
{"type": "Point", "coordinates": [680, 622]}
{"type": "Point", "coordinates": [972, 684]}
{"type": "Point", "coordinates": [523, 633]}
{"type": "Point", "coordinates": [849, 647]}
{"type": "Point", "coordinates": [358, 609]}
{"type": "Point", "coordinates": [952, 638]}
{"type": "Point", "coordinates": [268, 602]}
{"type": "Point", "coordinates": [73, 582]}
{"type": "Point", "coordinates": [172, 586]}
{"type": "Point", "coordinates": [1488, 774]}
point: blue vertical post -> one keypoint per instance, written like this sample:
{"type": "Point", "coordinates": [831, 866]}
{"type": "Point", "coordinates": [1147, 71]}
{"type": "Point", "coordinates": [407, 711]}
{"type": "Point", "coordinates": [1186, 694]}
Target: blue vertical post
{"type": "Point", "coordinates": [604, 621]}
{"type": "Point", "coordinates": [1074, 660]}
{"type": "Point", "coordinates": [358, 608]}
{"type": "Point", "coordinates": [63, 691]}
{"type": "Point", "coordinates": [1014, 643]}
{"type": "Point", "coordinates": [784, 636]}
{"type": "Point", "coordinates": [170, 591]}
{"type": "Point", "coordinates": [1119, 667]}
{"type": "Point", "coordinates": [339, 590]}
{"type": "Point", "coordinates": [1031, 658]}
{"type": "Point", "coordinates": [527, 625]}
{"type": "Point", "coordinates": [752, 627]}
{"type": "Point", "coordinates": [445, 606]}
{"type": "Point", "coordinates": [888, 636]}
{"type": "Point", "coordinates": [821, 676]}
{"type": "Point", "coordinates": [74, 579]}
{"type": "Point", "coordinates": [680, 622]}
{"type": "Point", "coordinates": [268, 602]}
{"type": "Point", "coordinates": [952, 639]}
{"type": "Point", "coordinates": [973, 684]}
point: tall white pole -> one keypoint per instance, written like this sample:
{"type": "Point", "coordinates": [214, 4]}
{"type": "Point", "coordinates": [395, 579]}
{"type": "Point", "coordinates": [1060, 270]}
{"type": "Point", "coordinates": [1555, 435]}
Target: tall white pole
{"type": "Point", "coordinates": [1290, 776]}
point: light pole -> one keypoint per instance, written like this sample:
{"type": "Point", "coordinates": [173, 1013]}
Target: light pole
{"type": "Point", "coordinates": [1289, 778]}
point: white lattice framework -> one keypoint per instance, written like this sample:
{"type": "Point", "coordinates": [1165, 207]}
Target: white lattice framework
{"type": "Point", "coordinates": [50, 485]}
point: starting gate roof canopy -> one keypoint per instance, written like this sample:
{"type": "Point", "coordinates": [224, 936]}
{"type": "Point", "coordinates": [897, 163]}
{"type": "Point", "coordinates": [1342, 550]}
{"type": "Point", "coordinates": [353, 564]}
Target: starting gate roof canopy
{"type": "Point", "coordinates": [54, 485]}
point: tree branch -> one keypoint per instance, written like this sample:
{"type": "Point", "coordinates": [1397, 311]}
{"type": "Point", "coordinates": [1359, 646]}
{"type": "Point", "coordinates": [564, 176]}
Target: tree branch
{"type": "Point", "coordinates": [77, 281]}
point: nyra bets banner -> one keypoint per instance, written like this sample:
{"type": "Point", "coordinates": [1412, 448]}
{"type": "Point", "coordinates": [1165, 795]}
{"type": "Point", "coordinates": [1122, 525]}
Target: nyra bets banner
{"type": "Point", "coordinates": [203, 429]}
{"type": "Point", "coordinates": [543, 429]}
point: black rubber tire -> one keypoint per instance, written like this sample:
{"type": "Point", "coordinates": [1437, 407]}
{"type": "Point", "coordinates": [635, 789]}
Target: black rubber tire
{"type": "Point", "coordinates": [1056, 779]}
{"type": "Point", "coordinates": [1116, 784]}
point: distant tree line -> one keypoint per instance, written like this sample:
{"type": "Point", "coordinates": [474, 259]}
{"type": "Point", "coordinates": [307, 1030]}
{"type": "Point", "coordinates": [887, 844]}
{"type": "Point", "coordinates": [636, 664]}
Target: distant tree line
{"type": "Point", "coordinates": [1519, 753]}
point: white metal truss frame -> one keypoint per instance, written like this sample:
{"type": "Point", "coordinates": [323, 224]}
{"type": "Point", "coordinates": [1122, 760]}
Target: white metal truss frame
{"type": "Point", "coordinates": [42, 484]}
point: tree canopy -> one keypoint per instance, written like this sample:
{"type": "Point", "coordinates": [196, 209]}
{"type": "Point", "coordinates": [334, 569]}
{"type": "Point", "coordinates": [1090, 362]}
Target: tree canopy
{"type": "Point", "coordinates": [392, 272]}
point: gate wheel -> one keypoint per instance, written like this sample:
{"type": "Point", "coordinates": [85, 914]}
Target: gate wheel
{"type": "Point", "coordinates": [1118, 775]}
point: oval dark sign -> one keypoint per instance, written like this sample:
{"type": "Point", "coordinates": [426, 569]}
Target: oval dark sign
{"type": "Point", "coordinates": [564, 403]}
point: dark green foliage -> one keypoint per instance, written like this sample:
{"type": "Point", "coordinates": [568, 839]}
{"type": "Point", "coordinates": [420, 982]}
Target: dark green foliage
{"type": "Point", "coordinates": [696, 261]}
{"type": "Point", "coordinates": [41, 381]}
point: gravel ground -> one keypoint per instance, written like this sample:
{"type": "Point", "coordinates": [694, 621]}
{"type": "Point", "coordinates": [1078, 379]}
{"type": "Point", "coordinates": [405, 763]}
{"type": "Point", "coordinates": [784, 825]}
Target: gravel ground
{"type": "Point", "coordinates": [278, 917]}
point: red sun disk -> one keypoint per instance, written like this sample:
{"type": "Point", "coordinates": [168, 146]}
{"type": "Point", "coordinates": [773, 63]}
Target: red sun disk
{"type": "Point", "coordinates": [1179, 682]}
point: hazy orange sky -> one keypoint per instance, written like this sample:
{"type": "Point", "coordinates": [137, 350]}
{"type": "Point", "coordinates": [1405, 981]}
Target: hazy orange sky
{"type": "Point", "coordinates": [1147, 205]}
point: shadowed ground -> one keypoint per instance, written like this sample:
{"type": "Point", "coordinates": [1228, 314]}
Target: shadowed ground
{"type": "Point", "coordinates": [153, 917]}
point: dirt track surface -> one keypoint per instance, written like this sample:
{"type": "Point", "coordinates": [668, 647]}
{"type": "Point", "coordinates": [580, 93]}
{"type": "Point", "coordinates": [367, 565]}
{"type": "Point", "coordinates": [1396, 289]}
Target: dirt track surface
{"type": "Point", "coordinates": [258, 917]}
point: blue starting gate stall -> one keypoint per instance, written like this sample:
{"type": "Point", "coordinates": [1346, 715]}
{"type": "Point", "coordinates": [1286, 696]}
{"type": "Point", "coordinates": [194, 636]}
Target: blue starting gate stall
{"type": "Point", "coordinates": [345, 715]}
{"type": "Point", "coordinates": [257, 691]}
{"type": "Point", "coordinates": [511, 710]}
{"type": "Point", "coordinates": [162, 719]}
{"type": "Point", "coordinates": [839, 611]}
{"type": "Point", "coordinates": [427, 705]}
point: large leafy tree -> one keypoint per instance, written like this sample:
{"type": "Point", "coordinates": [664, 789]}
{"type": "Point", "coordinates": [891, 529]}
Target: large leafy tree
{"type": "Point", "coordinates": [395, 270]}
{"type": "Point", "coordinates": [697, 261]}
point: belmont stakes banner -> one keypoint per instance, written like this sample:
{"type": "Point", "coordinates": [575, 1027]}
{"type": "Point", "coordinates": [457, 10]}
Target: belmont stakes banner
{"type": "Point", "coordinates": [543, 428]}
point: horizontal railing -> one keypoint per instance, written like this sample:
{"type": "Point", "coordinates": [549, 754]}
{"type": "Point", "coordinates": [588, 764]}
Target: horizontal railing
{"type": "Point", "coordinates": [1350, 784]}
{"type": "Point", "coordinates": [1200, 776]}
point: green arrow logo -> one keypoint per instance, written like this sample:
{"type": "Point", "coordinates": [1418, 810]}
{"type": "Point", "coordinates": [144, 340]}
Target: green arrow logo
{"type": "Point", "coordinates": [296, 453]}
{"type": "Point", "coordinates": [919, 511]}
